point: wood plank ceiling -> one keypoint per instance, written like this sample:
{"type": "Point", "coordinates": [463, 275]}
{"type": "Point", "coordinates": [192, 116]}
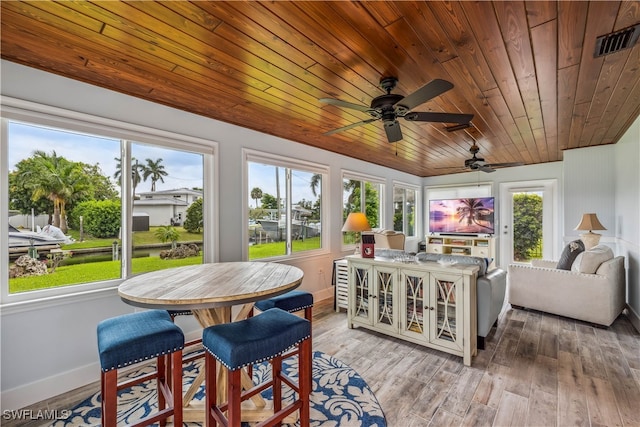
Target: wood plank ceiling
{"type": "Point", "coordinates": [525, 69]}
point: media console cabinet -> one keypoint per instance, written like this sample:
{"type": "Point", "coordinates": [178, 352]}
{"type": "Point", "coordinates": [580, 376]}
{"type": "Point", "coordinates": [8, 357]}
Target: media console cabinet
{"type": "Point", "coordinates": [421, 302]}
{"type": "Point", "coordinates": [483, 247]}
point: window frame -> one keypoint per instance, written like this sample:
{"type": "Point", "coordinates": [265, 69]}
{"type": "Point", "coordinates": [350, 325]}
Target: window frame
{"type": "Point", "coordinates": [289, 163]}
{"type": "Point", "coordinates": [416, 208]}
{"type": "Point", "coordinates": [358, 176]}
{"type": "Point", "coordinates": [30, 113]}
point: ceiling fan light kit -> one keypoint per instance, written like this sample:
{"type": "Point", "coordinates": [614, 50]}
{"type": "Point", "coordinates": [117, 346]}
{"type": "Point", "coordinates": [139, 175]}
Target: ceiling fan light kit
{"type": "Point", "coordinates": [389, 107]}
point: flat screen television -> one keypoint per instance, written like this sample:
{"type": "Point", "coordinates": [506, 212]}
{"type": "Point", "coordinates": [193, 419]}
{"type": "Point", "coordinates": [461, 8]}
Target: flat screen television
{"type": "Point", "coordinates": [473, 215]}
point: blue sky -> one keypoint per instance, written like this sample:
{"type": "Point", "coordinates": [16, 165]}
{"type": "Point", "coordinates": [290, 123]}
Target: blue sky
{"type": "Point", "coordinates": [184, 169]}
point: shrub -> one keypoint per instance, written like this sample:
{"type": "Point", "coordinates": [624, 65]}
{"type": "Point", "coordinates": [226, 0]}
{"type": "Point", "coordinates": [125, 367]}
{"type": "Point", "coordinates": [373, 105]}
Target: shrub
{"type": "Point", "coordinates": [194, 222]}
{"type": "Point", "coordinates": [167, 233]}
{"type": "Point", "coordinates": [101, 218]}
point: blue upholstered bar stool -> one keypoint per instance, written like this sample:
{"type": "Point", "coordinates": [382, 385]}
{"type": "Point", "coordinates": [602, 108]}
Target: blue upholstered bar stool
{"type": "Point", "coordinates": [132, 338]}
{"type": "Point", "coordinates": [291, 301]}
{"type": "Point", "coordinates": [239, 344]}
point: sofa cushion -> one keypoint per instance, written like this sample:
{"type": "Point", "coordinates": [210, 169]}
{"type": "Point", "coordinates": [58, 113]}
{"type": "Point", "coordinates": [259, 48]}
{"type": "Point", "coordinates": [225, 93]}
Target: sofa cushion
{"type": "Point", "coordinates": [482, 263]}
{"type": "Point", "coordinates": [569, 254]}
{"type": "Point", "coordinates": [589, 260]}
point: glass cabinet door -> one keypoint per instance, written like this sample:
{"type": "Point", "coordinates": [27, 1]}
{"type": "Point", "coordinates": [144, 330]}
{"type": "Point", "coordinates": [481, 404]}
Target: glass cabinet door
{"type": "Point", "coordinates": [415, 309]}
{"type": "Point", "coordinates": [447, 326]}
{"type": "Point", "coordinates": [385, 280]}
{"type": "Point", "coordinates": [360, 275]}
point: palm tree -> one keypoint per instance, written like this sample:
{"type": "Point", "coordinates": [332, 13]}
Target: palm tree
{"type": "Point", "coordinates": [57, 179]}
{"type": "Point", "coordinates": [256, 194]}
{"type": "Point", "coordinates": [155, 171]}
{"type": "Point", "coordinates": [136, 168]}
{"type": "Point", "coordinates": [315, 183]}
{"type": "Point", "coordinates": [472, 210]}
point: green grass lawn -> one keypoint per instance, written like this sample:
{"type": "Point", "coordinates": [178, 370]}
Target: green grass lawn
{"type": "Point", "coordinates": [139, 238]}
{"type": "Point", "coordinates": [94, 272]}
{"type": "Point", "coordinates": [109, 270]}
{"type": "Point", "coordinates": [267, 250]}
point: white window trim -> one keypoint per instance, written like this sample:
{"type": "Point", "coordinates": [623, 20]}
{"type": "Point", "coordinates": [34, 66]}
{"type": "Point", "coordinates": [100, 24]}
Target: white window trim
{"type": "Point", "coordinates": [13, 109]}
{"type": "Point", "coordinates": [359, 176]}
{"type": "Point", "coordinates": [255, 156]}
{"type": "Point", "coordinates": [418, 227]}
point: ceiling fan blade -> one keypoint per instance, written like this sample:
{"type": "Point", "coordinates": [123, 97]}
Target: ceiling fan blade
{"type": "Point", "coordinates": [438, 117]}
{"type": "Point", "coordinates": [344, 104]}
{"type": "Point", "coordinates": [430, 90]}
{"type": "Point", "coordinates": [486, 168]}
{"type": "Point", "coordinates": [505, 165]}
{"type": "Point", "coordinates": [351, 126]}
{"type": "Point", "coordinates": [394, 133]}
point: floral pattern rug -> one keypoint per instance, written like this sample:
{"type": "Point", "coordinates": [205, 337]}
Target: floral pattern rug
{"type": "Point", "coordinates": [340, 396]}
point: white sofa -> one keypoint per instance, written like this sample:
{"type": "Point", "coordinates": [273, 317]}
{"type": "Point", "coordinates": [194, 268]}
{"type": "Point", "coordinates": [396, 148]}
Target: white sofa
{"type": "Point", "coordinates": [596, 298]}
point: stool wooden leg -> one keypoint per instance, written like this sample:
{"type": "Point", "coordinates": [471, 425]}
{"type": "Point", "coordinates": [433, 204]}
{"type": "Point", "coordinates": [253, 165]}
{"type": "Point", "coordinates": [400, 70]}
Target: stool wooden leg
{"type": "Point", "coordinates": [161, 367]}
{"type": "Point", "coordinates": [276, 374]}
{"type": "Point", "coordinates": [234, 398]}
{"type": "Point", "coordinates": [210, 392]}
{"type": "Point", "coordinates": [308, 313]}
{"type": "Point", "coordinates": [305, 359]}
{"type": "Point", "coordinates": [176, 387]}
{"type": "Point", "coordinates": [109, 398]}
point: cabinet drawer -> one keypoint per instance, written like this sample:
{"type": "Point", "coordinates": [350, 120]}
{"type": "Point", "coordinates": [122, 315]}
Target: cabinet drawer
{"type": "Point", "coordinates": [483, 252]}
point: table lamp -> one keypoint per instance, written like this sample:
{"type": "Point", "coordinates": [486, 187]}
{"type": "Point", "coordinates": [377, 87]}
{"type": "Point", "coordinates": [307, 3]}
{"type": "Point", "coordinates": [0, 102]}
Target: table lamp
{"type": "Point", "coordinates": [356, 221]}
{"type": "Point", "coordinates": [590, 222]}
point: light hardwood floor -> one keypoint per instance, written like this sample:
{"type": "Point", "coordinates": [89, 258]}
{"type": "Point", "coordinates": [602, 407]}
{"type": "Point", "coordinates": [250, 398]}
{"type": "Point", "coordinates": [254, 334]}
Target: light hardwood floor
{"type": "Point", "coordinates": [537, 370]}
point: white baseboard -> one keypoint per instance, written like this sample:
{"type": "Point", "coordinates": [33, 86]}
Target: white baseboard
{"type": "Point", "coordinates": [47, 388]}
{"type": "Point", "coordinates": [633, 317]}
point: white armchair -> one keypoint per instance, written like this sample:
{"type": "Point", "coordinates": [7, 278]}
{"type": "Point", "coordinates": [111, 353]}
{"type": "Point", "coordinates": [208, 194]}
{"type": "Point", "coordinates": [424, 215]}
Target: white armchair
{"type": "Point", "coordinates": [389, 239]}
{"type": "Point", "coordinates": [597, 298]}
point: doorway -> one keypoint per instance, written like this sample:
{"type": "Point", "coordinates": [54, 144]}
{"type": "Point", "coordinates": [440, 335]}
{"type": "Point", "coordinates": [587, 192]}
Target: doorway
{"type": "Point", "coordinates": [527, 216]}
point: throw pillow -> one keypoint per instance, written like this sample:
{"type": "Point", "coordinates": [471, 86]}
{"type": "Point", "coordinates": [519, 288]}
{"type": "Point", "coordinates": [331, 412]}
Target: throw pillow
{"type": "Point", "coordinates": [589, 261]}
{"type": "Point", "coordinates": [569, 254]}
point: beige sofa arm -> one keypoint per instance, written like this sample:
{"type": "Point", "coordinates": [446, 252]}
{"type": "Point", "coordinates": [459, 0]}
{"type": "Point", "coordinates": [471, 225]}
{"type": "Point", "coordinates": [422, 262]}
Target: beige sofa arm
{"type": "Point", "coordinates": [597, 298]}
{"type": "Point", "coordinates": [544, 263]}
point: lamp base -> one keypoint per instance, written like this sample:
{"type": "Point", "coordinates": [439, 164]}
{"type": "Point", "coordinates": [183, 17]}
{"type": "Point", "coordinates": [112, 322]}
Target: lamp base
{"type": "Point", "coordinates": [590, 240]}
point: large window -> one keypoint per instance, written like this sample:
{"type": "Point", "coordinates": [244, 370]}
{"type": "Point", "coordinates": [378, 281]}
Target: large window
{"type": "Point", "coordinates": [285, 206]}
{"type": "Point", "coordinates": [361, 194]}
{"type": "Point", "coordinates": [77, 216]}
{"type": "Point", "coordinates": [404, 209]}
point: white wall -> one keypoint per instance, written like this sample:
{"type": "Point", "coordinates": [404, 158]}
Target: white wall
{"type": "Point", "coordinates": [49, 347]}
{"type": "Point", "coordinates": [627, 211]}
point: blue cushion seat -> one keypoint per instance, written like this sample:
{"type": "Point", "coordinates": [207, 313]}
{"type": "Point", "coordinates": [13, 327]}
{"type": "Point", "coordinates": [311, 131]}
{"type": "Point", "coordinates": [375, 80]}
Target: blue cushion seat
{"type": "Point", "coordinates": [132, 338]}
{"type": "Point", "coordinates": [290, 301]}
{"type": "Point", "coordinates": [255, 339]}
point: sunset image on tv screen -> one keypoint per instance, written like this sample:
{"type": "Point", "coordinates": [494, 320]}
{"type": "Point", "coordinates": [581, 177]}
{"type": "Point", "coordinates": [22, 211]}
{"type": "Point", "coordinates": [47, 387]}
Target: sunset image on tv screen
{"type": "Point", "coordinates": [464, 215]}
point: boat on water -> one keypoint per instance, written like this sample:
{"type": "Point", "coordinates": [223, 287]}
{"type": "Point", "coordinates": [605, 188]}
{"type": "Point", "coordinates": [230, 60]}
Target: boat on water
{"type": "Point", "coordinates": [275, 229]}
{"type": "Point", "coordinates": [47, 236]}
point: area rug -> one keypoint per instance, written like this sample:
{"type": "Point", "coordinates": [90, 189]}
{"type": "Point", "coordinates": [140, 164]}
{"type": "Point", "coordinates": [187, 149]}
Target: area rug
{"type": "Point", "coordinates": [340, 397]}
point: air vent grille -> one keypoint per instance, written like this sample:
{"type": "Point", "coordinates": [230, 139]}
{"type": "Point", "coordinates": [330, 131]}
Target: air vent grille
{"type": "Point", "coordinates": [615, 42]}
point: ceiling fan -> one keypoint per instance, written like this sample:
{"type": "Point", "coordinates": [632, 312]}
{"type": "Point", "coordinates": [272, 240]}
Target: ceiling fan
{"type": "Point", "coordinates": [390, 106]}
{"type": "Point", "coordinates": [478, 163]}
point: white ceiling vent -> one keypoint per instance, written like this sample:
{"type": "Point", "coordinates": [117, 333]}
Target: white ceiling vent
{"type": "Point", "coordinates": [615, 42]}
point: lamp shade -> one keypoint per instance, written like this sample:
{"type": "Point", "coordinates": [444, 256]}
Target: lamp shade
{"type": "Point", "coordinates": [356, 221]}
{"type": "Point", "coordinates": [590, 222]}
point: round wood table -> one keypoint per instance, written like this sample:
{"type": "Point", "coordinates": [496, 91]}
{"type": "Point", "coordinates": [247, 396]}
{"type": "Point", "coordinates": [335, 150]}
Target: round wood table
{"type": "Point", "coordinates": [209, 291]}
